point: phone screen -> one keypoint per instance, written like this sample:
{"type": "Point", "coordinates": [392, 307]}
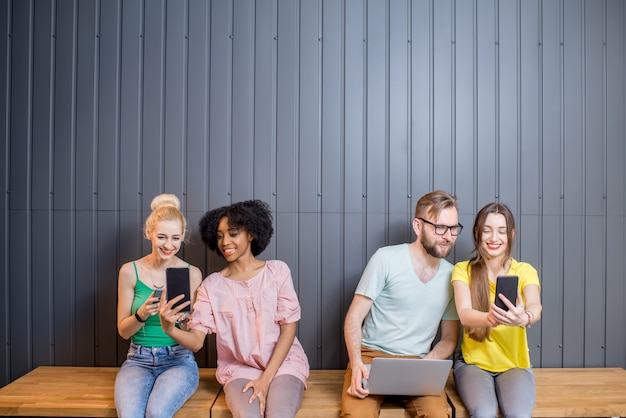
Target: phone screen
{"type": "Point", "coordinates": [177, 282]}
{"type": "Point", "coordinates": [507, 285]}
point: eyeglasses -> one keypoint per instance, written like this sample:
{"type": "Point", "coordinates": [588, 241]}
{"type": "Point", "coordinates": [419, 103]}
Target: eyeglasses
{"type": "Point", "coordinates": [442, 229]}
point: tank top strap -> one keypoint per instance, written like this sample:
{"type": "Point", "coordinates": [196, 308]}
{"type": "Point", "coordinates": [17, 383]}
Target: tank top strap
{"type": "Point", "coordinates": [136, 272]}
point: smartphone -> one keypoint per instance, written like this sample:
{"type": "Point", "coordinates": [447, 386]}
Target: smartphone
{"type": "Point", "coordinates": [157, 293]}
{"type": "Point", "coordinates": [177, 283]}
{"type": "Point", "coordinates": [507, 285]}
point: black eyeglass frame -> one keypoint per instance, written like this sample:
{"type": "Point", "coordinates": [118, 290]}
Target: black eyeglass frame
{"type": "Point", "coordinates": [458, 227]}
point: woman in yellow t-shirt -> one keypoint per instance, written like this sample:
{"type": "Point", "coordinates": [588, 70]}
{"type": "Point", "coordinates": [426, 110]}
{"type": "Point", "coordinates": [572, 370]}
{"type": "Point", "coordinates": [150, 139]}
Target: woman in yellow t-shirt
{"type": "Point", "coordinates": [494, 367]}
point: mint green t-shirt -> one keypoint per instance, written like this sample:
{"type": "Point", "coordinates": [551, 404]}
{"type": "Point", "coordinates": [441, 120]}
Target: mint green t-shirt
{"type": "Point", "coordinates": [406, 312]}
{"type": "Point", "coordinates": [151, 334]}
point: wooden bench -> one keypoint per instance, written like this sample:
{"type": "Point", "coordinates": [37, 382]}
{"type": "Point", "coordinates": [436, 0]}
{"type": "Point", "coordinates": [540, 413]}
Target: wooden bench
{"type": "Point", "coordinates": [575, 392]}
{"type": "Point", "coordinates": [57, 391]}
{"type": "Point", "coordinates": [88, 391]}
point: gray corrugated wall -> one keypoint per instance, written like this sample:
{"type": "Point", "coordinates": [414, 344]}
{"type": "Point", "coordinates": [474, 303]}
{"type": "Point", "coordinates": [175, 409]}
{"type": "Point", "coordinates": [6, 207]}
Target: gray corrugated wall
{"type": "Point", "coordinates": [340, 114]}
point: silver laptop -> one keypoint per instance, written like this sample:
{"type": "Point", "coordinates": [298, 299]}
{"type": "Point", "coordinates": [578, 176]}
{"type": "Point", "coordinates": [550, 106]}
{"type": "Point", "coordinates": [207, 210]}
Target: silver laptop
{"type": "Point", "coordinates": [407, 377]}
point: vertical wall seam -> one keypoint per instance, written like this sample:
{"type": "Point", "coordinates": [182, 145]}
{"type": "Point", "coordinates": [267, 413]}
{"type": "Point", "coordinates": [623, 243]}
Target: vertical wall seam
{"type": "Point", "coordinates": [297, 136]}
{"type": "Point", "coordinates": [409, 109]}
{"type": "Point", "coordinates": [431, 94]}
{"type": "Point", "coordinates": [29, 174]}
{"type": "Point", "coordinates": [251, 104]}
{"type": "Point", "coordinates": [185, 111]}
{"type": "Point", "coordinates": [229, 95]}
{"type": "Point", "coordinates": [51, 129]}
{"type": "Point", "coordinates": [118, 139]}
{"type": "Point", "coordinates": [387, 191]}
{"type": "Point", "coordinates": [207, 106]}
{"type": "Point", "coordinates": [320, 194]}
{"type": "Point", "coordinates": [140, 112]}
{"type": "Point", "coordinates": [94, 196]}
{"type": "Point", "coordinates": [562, 156]}
{"type": "Point", "coordinates": [163, 86]}
{"type": "Point", "coordinates": [453, 97]}
{"type": "Point", "coordinates": [540, 98]}
{"type": "Point", "coordinates": [584, 168]}
{"type": "Point", "coordinates": [365, 110]}
{"type": "Point", "coordinates": [475, 101]}
{"type": "Point", "coordinates": [518, 122]}
{"type": "Point", "coordinates": [73, 142]}
{"type": "Point", "coordinates": [342, 173]}
{"type": "Point", "coordinates": [6, 191]}
{"type": "Point", "coordinates": [605, 170]}
{"type": "Point", "coordinates": [274, 153]}
{"type": "Point", "coordinates": [496, 88]}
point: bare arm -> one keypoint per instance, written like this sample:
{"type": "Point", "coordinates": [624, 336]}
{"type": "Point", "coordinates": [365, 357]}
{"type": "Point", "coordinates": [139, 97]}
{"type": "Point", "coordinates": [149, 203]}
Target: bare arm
{"type": "Point", "coordinates": [533, 302]}
{"type": "Point", "coordinates": [195, 280]}
{"type": "Point", "coordinates": [192, 339]}
{"type": "Point", "coordinates": [127, 323]}
{"type": "Point", "coordinates": [448, 341]}
{"type": "Point", "coordinates": [469, 316]}
{"type": "Point", "coordinates": [359, 308]}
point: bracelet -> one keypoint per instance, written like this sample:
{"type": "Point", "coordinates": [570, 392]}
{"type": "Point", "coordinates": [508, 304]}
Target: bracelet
{"type": "Point", "coordinates": [529, 314]}
{"type": "Point", "coordinates": [139, 318]}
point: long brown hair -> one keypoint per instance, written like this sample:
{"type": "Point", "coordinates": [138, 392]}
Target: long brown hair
{"type": "Point", "coordinates": [478, 278]}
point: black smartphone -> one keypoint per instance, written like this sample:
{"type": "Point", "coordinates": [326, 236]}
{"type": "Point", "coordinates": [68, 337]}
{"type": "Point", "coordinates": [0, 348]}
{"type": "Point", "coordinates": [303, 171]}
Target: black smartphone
{"type": "Point", "coordinates": [177, 283]}
{"type": "Point", "coordinates": [507, 285]}
{"type": "Point", "coordinates": [157, 293]}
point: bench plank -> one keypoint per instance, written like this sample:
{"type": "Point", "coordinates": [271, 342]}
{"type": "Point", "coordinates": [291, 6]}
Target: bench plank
{"type": "Point", "coordinates": [569, 392]}
{"type": "Point", "coordinates": [55, 391]}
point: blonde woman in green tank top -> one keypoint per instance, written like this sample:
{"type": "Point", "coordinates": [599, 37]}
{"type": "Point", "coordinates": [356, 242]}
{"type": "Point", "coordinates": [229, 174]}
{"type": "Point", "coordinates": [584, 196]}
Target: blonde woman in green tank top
{"type": "Point", "coordinates": [158, 375]}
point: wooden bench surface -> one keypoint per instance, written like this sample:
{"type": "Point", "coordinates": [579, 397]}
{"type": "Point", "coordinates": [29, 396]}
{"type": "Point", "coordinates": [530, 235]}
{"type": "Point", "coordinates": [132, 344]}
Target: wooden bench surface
{"type": "Point", "coordinates": [88, 391]}
{"type": "Point", "coordinates": [569, 392]}
{"type": "Point", "coordinates": [55, 391]}
{"type": "Point", "coordinates": [321, 399]}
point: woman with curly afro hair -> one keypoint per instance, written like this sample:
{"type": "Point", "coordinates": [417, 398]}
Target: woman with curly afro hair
{"type": "Point", "coordinates": [252, 307]}
{"type": "Point", "coordinates": [254, 216]}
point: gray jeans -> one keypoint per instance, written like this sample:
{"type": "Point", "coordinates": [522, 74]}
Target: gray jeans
{"type": "Point", "coordinates": [482, 392]}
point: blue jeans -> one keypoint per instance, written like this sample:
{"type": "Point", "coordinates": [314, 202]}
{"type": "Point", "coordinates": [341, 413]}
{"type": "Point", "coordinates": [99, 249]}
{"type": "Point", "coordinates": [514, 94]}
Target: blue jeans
{"type": "Point", "coordinates": [155, 381]}
{"type": "Point", "coordinates": [482, 392]}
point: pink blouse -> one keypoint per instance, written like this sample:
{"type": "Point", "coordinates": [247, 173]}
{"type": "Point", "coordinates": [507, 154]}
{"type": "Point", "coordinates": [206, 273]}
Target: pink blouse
{"type": "Point", "coordinates": [246, 318]}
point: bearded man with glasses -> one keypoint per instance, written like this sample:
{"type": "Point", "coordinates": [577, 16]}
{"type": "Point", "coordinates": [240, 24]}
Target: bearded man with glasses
{"type": "Point", "coordinates": [402, 299]}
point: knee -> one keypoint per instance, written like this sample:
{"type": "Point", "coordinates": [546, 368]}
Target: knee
{"type": "Point", "coordinates": [483, 411]}
{"type": "Point", "coordinates": [521, 411]}
{"type": "Point", "coordinates": [357, 409]}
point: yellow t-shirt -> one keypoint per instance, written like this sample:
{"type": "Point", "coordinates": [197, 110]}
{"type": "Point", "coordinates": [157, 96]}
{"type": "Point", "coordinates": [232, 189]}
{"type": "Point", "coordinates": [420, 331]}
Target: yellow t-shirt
{"type": "Point", "coordinates": [507, 347]}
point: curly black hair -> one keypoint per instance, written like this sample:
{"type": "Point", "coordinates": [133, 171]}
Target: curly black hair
{"type": "Point", "coordinates": [255, 216]}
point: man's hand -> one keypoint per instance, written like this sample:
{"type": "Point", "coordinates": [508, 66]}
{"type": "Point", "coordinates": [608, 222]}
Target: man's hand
{"type": "Point", "coordinates": [359, 372]}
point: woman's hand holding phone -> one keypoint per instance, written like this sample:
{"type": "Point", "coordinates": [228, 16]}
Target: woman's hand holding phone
{"type": "Point", "coordinates": [171, 315]}
{"type": "Point", "coordinates": [513, 315]}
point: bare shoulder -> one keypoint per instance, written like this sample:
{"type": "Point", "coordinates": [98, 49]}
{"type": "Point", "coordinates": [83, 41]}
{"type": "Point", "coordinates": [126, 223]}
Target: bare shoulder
{"type": "Point", "coordinates": [195, 276]}
{"type": "Point", "coordinates": [127, 274]}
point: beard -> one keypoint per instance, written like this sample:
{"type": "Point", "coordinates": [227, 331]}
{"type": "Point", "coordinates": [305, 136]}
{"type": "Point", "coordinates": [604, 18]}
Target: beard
{"type": "Point", "coordinates": [435, 250]}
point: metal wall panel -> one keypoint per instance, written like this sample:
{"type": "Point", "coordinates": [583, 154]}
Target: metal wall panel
{"type": "Point", "coordinates": [615, 109]}
{"type": "Point", "coordinates": [573, 238]}
{"type": "Point", "coordinates": [340, 114]}
{"type": "Point", "coordinates": [5, 104]}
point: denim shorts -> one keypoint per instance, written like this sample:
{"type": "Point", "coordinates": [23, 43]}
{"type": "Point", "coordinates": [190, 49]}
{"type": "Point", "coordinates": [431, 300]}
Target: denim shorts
{"type": "Point", "coordinates": [155, 381]}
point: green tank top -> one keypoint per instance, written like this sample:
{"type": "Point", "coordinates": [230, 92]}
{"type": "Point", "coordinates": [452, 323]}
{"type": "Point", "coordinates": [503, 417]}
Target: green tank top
{"type": "Point", "coordinates": [151, 334]}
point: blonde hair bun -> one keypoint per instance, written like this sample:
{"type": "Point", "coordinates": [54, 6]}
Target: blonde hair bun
{"type": "Point", "coordinates": [164, 200]}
